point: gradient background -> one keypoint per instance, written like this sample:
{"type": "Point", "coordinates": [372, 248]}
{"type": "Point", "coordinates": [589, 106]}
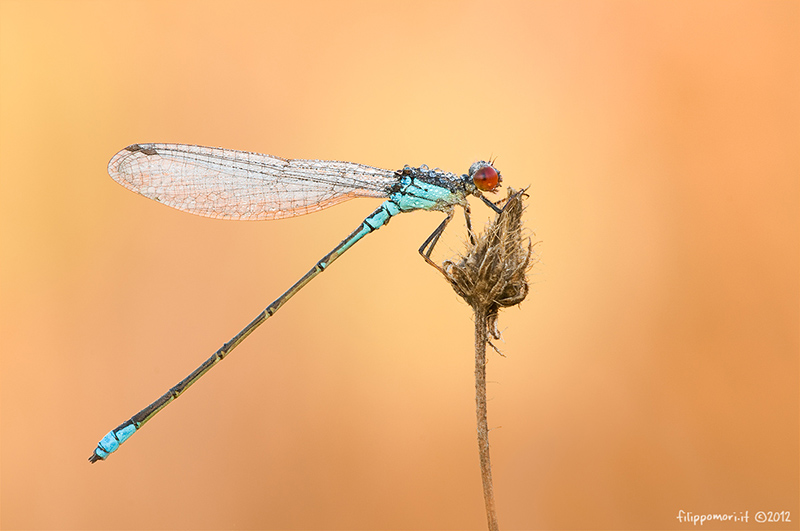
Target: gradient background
{"type": "Point", "coordinates": [653, 368]}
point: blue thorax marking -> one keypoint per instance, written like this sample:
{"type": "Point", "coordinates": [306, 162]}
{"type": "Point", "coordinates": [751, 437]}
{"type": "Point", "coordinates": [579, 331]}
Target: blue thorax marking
{"type": "Point", "coordinates": [423, 189]}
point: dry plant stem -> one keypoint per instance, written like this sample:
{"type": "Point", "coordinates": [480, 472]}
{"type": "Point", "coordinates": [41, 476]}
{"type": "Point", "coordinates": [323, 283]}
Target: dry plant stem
{"type": "Point", "coordinates": [489, 276]}
{"type": "Point", "coordinates": [481, 338]}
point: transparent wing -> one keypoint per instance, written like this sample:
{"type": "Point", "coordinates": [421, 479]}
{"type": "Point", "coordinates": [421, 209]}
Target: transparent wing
{"type": "Point", "coordinates": [228, 184]}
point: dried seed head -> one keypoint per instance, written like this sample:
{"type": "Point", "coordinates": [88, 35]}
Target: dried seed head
{"type": "Point", "coordinates": [492, 273]}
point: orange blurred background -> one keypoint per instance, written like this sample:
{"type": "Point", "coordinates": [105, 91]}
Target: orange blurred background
{"type": "Point", "coordinates": [652, 369]}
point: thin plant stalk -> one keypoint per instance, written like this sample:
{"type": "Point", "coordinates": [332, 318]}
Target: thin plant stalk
{"type": "Point", "coordinates": [481, 339]}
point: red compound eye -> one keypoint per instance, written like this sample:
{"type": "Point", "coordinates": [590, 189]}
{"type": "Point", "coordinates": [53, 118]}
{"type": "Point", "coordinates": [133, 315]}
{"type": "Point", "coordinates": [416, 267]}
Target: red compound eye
{"type": "Point", "coordinates": [486, 179]}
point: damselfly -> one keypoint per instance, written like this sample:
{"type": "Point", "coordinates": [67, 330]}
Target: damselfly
{"type": "Point", "coordinates": [227, 184]}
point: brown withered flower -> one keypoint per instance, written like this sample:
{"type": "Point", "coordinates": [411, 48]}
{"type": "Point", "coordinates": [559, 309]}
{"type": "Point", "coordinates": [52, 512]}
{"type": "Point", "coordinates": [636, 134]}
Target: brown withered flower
{"type": "Point", "coordinates": [492, 272]}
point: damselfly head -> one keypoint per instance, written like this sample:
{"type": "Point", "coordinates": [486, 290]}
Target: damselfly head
{"type": "Point", "coordinates": [485, 176]}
